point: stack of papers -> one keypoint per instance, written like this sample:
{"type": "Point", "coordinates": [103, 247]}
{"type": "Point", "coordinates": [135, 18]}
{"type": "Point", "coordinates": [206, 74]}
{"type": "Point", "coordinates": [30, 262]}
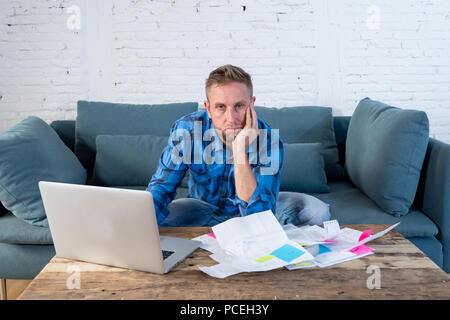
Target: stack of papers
{"type": "Point", "coordinates": [259, 243]}
{"type": "Point", "coordinates": [332, 248]}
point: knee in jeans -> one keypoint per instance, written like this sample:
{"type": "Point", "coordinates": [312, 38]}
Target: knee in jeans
{"type": "Point", "coordinates": [318, 214]}
{"type": "Point", "coordinates": [315, 212]}
{"type": "Point", "coordinates": [187, 212]}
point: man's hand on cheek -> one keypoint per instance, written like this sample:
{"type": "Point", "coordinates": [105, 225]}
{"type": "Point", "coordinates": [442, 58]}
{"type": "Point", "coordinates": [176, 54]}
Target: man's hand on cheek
{"type": "Point", "coordinates": [248, 134]}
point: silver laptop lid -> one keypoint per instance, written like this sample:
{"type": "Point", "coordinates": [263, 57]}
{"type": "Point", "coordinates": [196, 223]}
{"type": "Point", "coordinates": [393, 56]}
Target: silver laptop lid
{"type": "Point", "coordinates": [109, 226]}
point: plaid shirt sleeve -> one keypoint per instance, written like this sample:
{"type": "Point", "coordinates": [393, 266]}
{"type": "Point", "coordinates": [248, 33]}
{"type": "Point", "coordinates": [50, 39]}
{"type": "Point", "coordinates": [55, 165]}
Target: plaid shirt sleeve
{"type": "Point", "coordinates": [268, 178]}
{"type": "Point", "coordinates": [168, 176]}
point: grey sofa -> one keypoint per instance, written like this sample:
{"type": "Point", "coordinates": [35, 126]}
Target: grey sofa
{"type": "Point", "coordinates": [427, 225]}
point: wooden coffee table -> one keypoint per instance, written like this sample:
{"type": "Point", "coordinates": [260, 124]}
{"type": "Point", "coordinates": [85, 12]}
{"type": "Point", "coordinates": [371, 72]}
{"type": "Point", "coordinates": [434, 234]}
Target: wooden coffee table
{"type": "Point", "coordinates": [405, 273]}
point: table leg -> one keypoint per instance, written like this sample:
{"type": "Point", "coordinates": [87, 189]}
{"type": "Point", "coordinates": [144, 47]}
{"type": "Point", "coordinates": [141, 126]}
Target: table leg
{"type": "Point", "coordinates": [2, 289]}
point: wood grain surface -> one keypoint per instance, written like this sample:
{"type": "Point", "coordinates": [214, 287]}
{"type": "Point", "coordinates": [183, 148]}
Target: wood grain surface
{"type": "Point", "coordinates": [405, 273]}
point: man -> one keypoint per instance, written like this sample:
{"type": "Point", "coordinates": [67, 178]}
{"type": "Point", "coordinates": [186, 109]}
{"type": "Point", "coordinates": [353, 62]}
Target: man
{"type": "Point", "coordinates": [230, 173]}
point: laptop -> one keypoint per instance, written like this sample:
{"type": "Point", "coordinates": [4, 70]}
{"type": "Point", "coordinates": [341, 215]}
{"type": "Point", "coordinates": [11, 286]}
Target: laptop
{"type": "Point", "coordinates": [110, 226]}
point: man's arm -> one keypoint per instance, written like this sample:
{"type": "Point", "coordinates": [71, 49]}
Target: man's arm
{"type": "Point", "coordinates": [268, 177]}
{"type": "Point", "coordinates": [256, 191]}
{"type": "Point", "coordinates": [243, 176]}
{"type": "Point", "coordinates": [168, 176]}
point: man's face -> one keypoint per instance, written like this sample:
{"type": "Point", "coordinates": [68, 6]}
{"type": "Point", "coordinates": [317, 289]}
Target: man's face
{"type": "Point", "coordinates": [226, 107]}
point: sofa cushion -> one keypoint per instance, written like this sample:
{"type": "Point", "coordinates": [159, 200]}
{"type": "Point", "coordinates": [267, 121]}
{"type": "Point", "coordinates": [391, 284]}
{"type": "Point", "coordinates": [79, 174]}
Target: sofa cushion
{"type": "Point", "coordinates": [431, 247]}
{"type": "Point", "coordinates": [305, 125]}
{"type": "Point", "coordinates": [350, 206]}
{"type": "Point", "coordinates": [124, 160]}
{"type": "Point", "coordinates": [15, 230]}
{"type": "Point", "coordinates": [31, 151]}
{"type": "Point", "coordinates": [385, 150]}
{"type": "Point", "coordinates": [303, 168]}
{"type": "Point", "coordinates": [95, 118]}
{"type": "Point", "coordinates": [24, 261]}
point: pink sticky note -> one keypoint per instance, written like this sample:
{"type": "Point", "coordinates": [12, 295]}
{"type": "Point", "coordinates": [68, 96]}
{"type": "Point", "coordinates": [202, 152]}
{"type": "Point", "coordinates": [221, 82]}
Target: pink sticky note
{"type": "Point", "coordinates": [362, 249]}
{"type": "Point", "coordinates": [330, 241]}
{"type": "Point", "coordinates": [365, 234]}
{"type": "Point", "coordinates": [212, 235]}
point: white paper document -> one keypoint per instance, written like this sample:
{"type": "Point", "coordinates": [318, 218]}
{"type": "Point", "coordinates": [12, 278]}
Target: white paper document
{"type": "Point", "coordinates": [252, 243]}
{"type": "Point", "coordinates": [259, 243]}
{"type": "Point", "coordinates": [332, 230]}
{"type": "Point", "coordinates": [310, 235]}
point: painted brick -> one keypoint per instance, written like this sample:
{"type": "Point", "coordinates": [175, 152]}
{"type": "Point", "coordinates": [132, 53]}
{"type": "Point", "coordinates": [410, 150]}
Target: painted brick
{"type": "Point", "coordinates": [306, 52]}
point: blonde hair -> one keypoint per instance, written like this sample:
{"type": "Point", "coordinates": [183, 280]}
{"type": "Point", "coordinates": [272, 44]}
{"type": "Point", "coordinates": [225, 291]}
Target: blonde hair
{"type": "Point", "coordinates": [226, 74]}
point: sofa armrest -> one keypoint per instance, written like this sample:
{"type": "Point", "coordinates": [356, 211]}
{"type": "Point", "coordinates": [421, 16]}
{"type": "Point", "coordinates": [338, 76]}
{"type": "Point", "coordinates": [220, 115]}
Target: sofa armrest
{"type": "Point", "coordinates": [435, 189]}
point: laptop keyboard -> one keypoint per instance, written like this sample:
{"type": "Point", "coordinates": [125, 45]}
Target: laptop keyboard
{"type": "Point", "coordinates": [166, 253]}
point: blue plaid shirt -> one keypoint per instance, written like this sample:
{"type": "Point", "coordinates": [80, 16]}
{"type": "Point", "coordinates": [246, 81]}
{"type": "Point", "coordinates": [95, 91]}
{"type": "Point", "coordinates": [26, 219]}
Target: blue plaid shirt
{"type": "Point", "coordinates": [194, 146]}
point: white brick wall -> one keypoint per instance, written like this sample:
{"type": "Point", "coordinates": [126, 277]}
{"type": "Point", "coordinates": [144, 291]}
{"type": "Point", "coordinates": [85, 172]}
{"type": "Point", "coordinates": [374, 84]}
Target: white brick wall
{"type": "Point", "coordinates": [39, 62]}
{"type": "Point", "coordinates": [299, 52]}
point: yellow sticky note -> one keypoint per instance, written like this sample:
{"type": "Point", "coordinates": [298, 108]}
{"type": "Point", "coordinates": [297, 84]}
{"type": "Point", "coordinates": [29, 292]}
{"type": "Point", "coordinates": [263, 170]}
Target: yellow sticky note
{"type": "Point", "coordinates": [303, 244]}
{"type": "Point", "coordinates": [303, 264]}
{"type": "Point", "coordinates": [265, 258]}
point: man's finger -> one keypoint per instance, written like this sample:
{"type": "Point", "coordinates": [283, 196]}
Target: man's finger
{"type": "Point", "coordinates": [254, 118]}
{"type": "Point", "coordinates": [248, 118]}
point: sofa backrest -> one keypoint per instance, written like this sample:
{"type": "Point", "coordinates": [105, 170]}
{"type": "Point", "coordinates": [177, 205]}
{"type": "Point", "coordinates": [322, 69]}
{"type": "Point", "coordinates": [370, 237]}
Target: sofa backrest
{"type": "Point", "coordinates": [96, 118]}
{"type": "Point", "coordinates": [66, 131]}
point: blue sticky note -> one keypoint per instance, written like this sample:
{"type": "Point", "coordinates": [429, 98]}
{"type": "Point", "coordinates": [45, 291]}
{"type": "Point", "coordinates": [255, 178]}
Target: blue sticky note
{"type": "Point", "coordinates": [287, 253]}
{"type": "Point", "coordinates": [323, 249]}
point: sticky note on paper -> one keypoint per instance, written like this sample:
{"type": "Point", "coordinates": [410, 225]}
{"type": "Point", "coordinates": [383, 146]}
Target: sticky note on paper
{"type": "Point", "coordinates": [323, 249]}
{"type": "Point", "coordinates": [287, 253]}
{"type": "Point", "coordinates": [265, 258]}
{"type": "Point", "coordinates": [303, 264]}
{"type": "Point", "coordinates": [365, 234]}
{"type": "Point", "coordinates": [212, 235]}
{"type": "Point", "coordinates": [362, 249]}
